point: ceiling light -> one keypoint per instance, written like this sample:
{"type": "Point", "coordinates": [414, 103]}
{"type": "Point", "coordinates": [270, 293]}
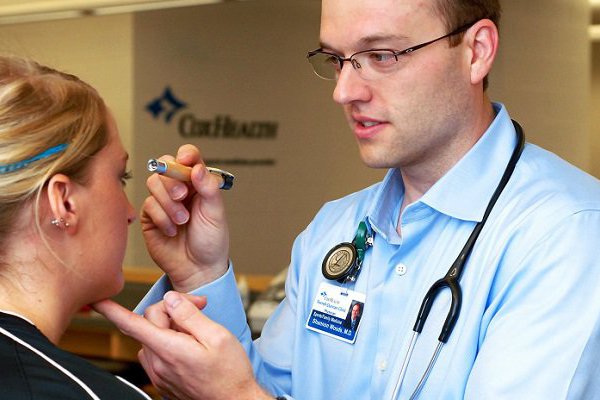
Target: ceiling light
{"type": "Point", "coordinates": [44, 10]}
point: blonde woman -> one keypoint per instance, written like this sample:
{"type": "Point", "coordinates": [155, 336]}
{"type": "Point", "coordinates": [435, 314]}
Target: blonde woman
{"type": "Point", "coordinates": [64, 217]}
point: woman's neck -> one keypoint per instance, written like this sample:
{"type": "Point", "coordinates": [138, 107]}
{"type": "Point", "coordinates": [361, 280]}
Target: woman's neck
{"type": "Point", "coordinates": [43, 306]}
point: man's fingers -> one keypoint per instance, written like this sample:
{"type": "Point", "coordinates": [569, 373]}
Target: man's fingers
{"type": "Point", "coordinates": [169, 198]}
{"type": "Point", "coordinates": [177, 190]}
{"type": "Point", "coordinates": [128, 322]}
{"type": "Point", "coordinates": [188, 155]}
{"type": "Point", "coordinates": [158, 315]}
{"type": "Point", "coordinates": [198, 301]}
{"type": "Point", "coordinates": [185, 314]}
{"type": "Point", "coordinates": [117, 314]}
{"type": "Point", "coordinates": [134, 325]}
{"type": "Point", "coordinates": [205, 183]}
{"type": "Point", "coordinates": [146, 364]}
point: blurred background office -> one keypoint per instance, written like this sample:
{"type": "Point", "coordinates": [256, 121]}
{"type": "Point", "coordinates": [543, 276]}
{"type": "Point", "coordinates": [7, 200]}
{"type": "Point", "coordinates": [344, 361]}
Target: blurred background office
{"type": "Point", "coordinates": [231, 77]}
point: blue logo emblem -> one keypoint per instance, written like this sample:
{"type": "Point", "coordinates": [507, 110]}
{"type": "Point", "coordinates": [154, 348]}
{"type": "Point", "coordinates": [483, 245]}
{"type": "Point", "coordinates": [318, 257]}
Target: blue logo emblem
{"type": "Point", "coordinates": [167, 104]}
{"type": "Point", "coordinates": [324, 293]}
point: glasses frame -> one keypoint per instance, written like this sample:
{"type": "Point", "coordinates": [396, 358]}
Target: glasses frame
{"type": "Point", "coordinates": [356, 65]}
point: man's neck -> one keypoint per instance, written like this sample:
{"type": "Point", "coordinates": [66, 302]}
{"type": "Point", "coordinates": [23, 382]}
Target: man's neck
{"type": "Point", "coordinates": [419, 178]}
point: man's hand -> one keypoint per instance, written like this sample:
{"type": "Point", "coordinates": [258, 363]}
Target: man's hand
{"type": "Point", "coordinates": [184, 224]}
{"type": "Point", "coordinates": [186, 355]}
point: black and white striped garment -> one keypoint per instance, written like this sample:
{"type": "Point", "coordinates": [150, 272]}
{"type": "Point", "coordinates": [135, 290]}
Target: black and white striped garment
{"type": "Point", "coordinates": [32, 368]}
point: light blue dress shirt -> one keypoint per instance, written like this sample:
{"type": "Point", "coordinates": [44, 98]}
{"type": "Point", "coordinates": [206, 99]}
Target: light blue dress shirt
{"type": "Point", "coordinates": [531, 288]}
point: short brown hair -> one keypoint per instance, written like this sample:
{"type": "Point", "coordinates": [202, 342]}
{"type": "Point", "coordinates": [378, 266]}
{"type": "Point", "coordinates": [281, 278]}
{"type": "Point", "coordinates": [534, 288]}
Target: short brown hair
{"type": "Point", "coordinates": [457, 13]}
{"type": "Point", "coordinates": [461, 12]}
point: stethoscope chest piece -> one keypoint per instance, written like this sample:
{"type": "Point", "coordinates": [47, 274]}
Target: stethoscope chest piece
{"type": "Point", "coordinates": [339, 261]}
{"type": "Point", "coordinates": [343, 262]}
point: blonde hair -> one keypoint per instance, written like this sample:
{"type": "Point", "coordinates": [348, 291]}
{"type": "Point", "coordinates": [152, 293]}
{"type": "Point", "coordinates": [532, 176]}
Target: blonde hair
{"type": "Point", "coordinates": [41, 108]}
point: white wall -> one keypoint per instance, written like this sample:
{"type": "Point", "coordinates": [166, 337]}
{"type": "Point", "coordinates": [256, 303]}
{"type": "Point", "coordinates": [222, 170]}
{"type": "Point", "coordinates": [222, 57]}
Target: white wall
{"type": "Point", "coordinates": [543, 74]}
{"type": "Point", "coordinates": [97, 49]}
{"type": "Point", "coordinates": [595, 110]}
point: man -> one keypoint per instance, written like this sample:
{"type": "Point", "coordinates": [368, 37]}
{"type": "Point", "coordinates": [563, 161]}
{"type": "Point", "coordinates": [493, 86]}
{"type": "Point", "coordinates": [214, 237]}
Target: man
{"type": "Point", "coordinates": [529, 286]}
{"type": "Point", "coordinates": [353, 318]}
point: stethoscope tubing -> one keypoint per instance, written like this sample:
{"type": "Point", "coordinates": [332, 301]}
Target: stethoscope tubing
{"type": "Point", "coordinates": [405, 362]}
{"type": "Point", "coordinates": [451, 279]}
{"type": "Point", "coordinates": [364, 239]}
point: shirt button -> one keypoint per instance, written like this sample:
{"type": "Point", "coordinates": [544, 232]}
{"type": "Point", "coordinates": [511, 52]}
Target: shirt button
{"type": "Point", "coordinates": [382, 365]}
{"type": "Point", "coordinates": [401, 269]}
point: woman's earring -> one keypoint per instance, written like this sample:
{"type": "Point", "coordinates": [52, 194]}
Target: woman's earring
{"type": "Point", "coordinates": [59, 223]}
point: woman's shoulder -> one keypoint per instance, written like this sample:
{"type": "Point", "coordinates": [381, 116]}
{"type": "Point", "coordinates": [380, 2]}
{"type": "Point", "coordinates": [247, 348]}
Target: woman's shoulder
{"type": "Point", "coordinates": [34, 368]}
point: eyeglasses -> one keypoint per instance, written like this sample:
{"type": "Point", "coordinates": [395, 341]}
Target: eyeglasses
{"type": "Point", "coordinates": [371, 64]}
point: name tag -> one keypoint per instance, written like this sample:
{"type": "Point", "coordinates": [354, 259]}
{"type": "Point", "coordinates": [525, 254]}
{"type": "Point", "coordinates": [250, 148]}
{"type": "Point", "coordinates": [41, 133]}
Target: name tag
{"type": "Point", "coordinates": [336, 312]}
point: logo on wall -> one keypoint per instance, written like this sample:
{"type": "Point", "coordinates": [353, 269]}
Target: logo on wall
{"type": "Point", "coordinates": [166, 105]}
{"type": "Point", "coordinates": [221, 126]}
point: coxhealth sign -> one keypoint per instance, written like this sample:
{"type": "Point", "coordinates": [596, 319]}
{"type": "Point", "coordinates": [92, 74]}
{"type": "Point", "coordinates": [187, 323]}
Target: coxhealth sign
{"type": "Point", "coordinates": [223, 126]}
{"type": "Point", "coordinates": [168, 106]}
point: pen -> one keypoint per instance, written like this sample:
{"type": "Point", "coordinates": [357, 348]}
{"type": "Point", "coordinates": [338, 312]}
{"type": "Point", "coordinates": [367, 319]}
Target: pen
{"type": "Point", "coordinates": [183, 173]}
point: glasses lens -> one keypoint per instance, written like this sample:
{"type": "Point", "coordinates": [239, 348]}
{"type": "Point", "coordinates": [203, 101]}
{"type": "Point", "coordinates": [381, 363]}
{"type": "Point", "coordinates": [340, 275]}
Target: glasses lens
{"type": "Point", "coordinates": [374, 64]}
{"type": "Point", "coordinates": [325, 65]}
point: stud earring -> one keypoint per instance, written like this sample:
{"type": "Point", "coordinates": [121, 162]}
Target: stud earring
{"type": "Point", "coordinates": [59, 223]}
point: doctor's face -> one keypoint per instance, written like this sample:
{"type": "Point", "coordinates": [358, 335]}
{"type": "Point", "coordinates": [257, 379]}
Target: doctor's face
{"type": "Point", "coordinates": [410, 114]}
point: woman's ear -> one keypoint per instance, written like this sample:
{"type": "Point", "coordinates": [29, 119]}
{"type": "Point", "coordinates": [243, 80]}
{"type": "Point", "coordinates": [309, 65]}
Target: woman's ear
{"type": "Point", "coordinates": [62, 202]}
{"type": "Point", "coordinates": [482, 38]}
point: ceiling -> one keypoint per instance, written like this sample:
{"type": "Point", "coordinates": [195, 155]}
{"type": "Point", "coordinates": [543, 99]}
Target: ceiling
{"type": "Point", "coordinates": [14, 11]}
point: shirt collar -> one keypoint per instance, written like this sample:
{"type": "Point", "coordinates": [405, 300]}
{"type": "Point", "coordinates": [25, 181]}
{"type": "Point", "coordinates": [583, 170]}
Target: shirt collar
{"type": "Point", "coordinates": [464, 191]}
{"type": "Point", "coordinates": [385, 207]}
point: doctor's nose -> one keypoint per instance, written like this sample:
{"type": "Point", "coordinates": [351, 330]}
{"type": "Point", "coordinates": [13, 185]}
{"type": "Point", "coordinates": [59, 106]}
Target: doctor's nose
{"type": "Point", "coordinates": [350, 87]}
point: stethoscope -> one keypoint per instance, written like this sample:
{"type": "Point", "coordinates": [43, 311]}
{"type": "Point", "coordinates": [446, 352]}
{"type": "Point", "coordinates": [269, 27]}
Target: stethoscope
{"type": "Point", "coordinates": [344, 262]}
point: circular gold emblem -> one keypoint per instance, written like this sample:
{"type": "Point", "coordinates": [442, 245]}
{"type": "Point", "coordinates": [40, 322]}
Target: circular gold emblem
{"type": "Point", "coordinates": [339, 260]}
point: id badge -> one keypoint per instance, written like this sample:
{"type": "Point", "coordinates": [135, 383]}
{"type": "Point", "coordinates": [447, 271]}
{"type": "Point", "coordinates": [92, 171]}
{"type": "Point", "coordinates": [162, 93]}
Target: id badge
{"type": "Point", "coordinates": [336, 312]}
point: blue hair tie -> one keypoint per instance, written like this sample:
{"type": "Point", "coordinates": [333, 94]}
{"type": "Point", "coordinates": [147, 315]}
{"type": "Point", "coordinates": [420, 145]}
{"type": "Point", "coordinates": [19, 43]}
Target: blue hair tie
{"type": "Point", "coordinates": [6, 168]}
